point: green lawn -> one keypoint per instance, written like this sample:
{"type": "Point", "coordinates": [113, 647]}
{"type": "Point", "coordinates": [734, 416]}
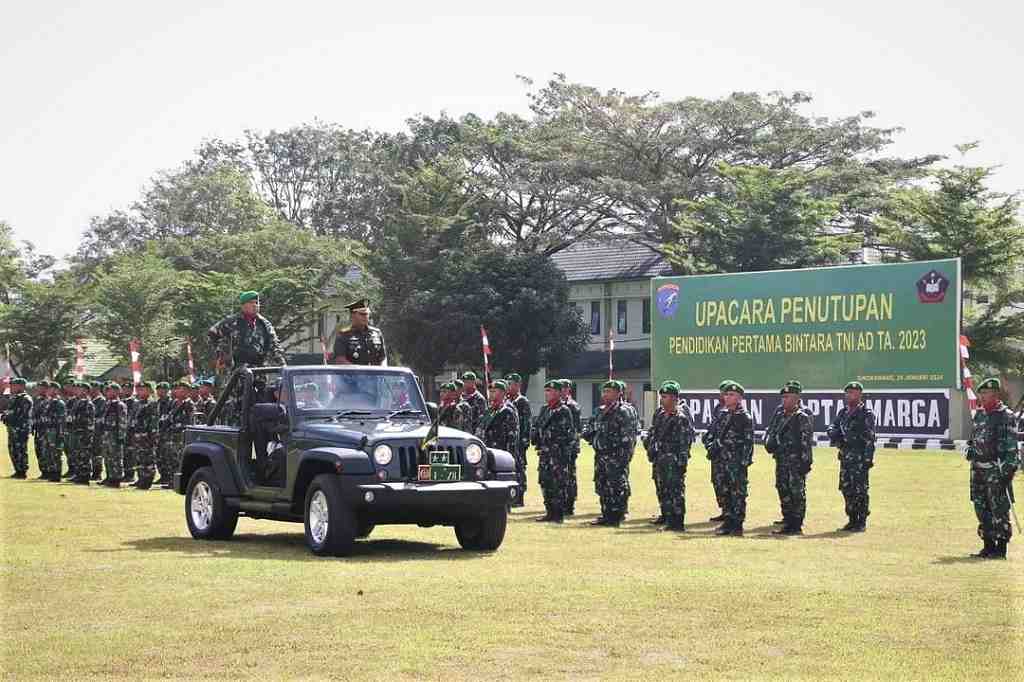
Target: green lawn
{"type": "Point", "coordinates": [98, 582]}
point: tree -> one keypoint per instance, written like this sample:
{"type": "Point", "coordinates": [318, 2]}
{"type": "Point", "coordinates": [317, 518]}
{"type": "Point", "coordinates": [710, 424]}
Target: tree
{"type": "Point", "coordinates": [759, 219]}
{"type": "Point", "coordinates": [18, 264]}
{"type": "Point", "coordinates": [41, 325]}
{"type": "Point", "coordinates": [131, 301]}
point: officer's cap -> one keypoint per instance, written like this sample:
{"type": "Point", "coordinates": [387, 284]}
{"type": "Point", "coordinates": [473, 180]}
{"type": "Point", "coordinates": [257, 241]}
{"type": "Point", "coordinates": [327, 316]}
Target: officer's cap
{"type": "Point", "coordinates": [360, 306]}
{"type": "Point", "coordinates": [733, 387]}
{"type": "Point", "coordinates": [18, 381]}
{"type": "Point", "coordinates": [164, 385]}
{"type": "Point", "coordinates": [247, 296]}
{"type": "Point", "coordinates": [853, 386]}
{"type": "Point", "coordinates": [670, 387]}
{"type": "Point", "coordinates": [499, 384]}
{"type": "Point", "coordinates": [991, 384]}
{"type": "Point", "coordinates": [469, 376]}
{"type": "Point", "coordinates": [792, 386]}
{"type": "Point", "coordinates": [554, 383]}
{"type": "Point", "coordinates": [513, 378]}
{"type": "Point", "coordinates": [566, 383]}
{"type": "Point", "coordinates": [613, 384]}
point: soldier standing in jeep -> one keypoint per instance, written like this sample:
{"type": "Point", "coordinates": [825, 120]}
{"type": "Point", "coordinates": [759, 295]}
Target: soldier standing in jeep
{"type": "Point", "coordinates": [250, 337]}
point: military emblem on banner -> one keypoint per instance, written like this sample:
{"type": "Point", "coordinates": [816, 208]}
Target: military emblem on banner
{"type": "Point", "coordinates": [667, 300]}
{"type": "Point", "coordinates": [932, 287]}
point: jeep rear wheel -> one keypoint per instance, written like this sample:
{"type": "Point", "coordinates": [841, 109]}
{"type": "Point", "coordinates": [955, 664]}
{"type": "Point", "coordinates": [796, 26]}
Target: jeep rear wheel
{"type": "Point", "coordinates": [486, 533]}
{"type": "Point", "coordinates": [330, 524]}
{"type": "Point", "coordinates": [206, 513]}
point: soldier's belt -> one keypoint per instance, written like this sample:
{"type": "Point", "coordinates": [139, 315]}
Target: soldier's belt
{"type": "Point", "coordinates": [983, 465]}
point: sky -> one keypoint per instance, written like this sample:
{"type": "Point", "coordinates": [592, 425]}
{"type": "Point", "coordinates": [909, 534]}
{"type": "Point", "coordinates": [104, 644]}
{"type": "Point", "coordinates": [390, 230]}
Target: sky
{"type": "Point", "coordinates": [97, 97]}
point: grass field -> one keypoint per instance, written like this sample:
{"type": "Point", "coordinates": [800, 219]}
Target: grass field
{"type": "Point", "coordinates": [98, 582]}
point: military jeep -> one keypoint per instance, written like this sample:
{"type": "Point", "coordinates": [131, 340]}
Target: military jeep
{"type": "Point", "coordinates": [345, 449]}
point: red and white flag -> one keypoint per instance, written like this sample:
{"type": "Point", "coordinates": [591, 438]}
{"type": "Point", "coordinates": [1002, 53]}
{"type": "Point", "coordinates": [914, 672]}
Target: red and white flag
{"type": "Point", "coordinates": [133, 352]}
{"type": "Point", "coordinates": [323, 349]}
{"type": "Point", "coordinates": [191, 363]}
{"type": "Point", "coordinates": [611, 349]}
{"type": "Point", "coordinates": [79, 359]}
{"type": "Point", "coordinates": [968, 380]}
{"type": "Point", "coordinates": [487, 356]}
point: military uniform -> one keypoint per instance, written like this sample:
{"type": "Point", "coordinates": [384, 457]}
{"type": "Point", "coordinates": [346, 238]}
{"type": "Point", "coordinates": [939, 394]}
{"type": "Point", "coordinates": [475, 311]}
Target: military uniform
{"type": "Point", "coordinates": [69, 410]}
{"type": "Point", "coordinates": [477, 402]}
{"type": "Point", "coordinates": [789, 438]}
{"type": "Point", "coordinates": [54, 425]}
{"type": "Point", "coordinates": [710, 439]}
{"type": "Point", "coordinates": [668, 448]}
{"type": "Point", "coordinates": [131, 463]}
{"type": "Point", "coordinates": [252, 342]}
{"type": "Point", "coordinates": [522, 406]}
{"type": "Point", "coordinates": [612, 433]}
{"type": "Point", "coordinates": [456, 414]}
{"type": "Point", "coordinates": [18, 418]}
{"type": "Point", "coordinates": [577, 422]}
{"type": "Point", "coordinates": [363, 346]}
{"type": "Point", "coordinates": [80, 438]}
{"type": "Point", "coordinates": [735, 445]}
{"type": "Point", "coordinates": [853, 432]}
{"type": "Point", "coordinates": [178, 420]}
{"type": "Point", "coordinates": [39, 407]}
{"type": "Point", "coordinates": [499, 427]}
{"type": "Point", "coordinates": [100, 405]}
{"type": "Point", "coordinates": [114, 435]}
{"type": "Point", "coordinates": [993, 453]}
{"type": "Point", "coordinates": [552, 435]}
{"type": "Point", "coordinates": [145, 438]}
{"type": "Point", "coordinates": [164, 406]}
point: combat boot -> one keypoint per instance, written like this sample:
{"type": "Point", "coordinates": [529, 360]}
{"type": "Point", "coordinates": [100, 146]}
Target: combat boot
{"type": "Point", "coordinates": [80, 480]}
{"type": "Point", "coordinates": [780, 522]}
{"type": "Point", "coordinates": [54, 477]}
{"type": "Point", "coordinates": [43, 476]}
{"type": "Point", "coordinates": [615, 521]}
{"type": "Point", "coordinates": [659, 520]}
{"type": "Point", "coordinates": [128, 478]}
{"type": "Point", "coordinates": [599, 521]}
{"type": "Point", "coordinates": [720, 517]}
{"type": "Point", "coordinates": [985, 551]}
{"type": "Point", "coordinates": [20, 474]}
{"type": "Point", "coordinates": [725, 528]}
{"type": "Point", "coordinates": [859, 525]}
{"type": "Point", "coordinates": [998, 550]}
{"type": "Point", "coordinates": [544, 519]}
{"type": "Point", "coordinates": [674, 523]}
{"type": "Point", "coordinates": [849, 524]}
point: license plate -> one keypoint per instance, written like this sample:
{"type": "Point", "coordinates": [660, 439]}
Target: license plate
{"type": "Point", "coordinates": [439, 472]}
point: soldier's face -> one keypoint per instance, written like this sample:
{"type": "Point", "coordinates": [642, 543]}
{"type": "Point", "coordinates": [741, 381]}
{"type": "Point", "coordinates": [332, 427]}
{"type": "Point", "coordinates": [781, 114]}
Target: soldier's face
{"type": "Point", "coordinates": [204, 391]}
{"type": "Point", "coordinates": [497, 395]}
{"type": "Point", "coordinates": [609, 395]}
{"type": "Point", "coordinates": [143, 394]}
{"type": "Point", "coordinates": [989, 397]}
{"type": "Point", "coordinates": [566, 392]}
{"type": "Point", "coordinates": [251, 308]}
{"type": "Point", "coordinates": [161, 393]}
{"type": "Point", "coordinates": [669, 401]}
{"type": "Point", "coordinates": [359, 320]}
{"type": "Point", "coordinates": [732, 399]}
{"type": "Point", "coordinates": [470, 385]}
{"type": "Point", "coordinates": [551, 395]}
{"type": "Point", "coordinates": [111, 394]}
{"type": "Point", "coordinates": [853, 396]}
{"type": "Point", "coordinates": [790, 400]}
{"type": "Point", "coordinates": [179, 393]}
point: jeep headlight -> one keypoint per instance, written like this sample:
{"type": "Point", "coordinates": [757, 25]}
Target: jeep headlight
{"type": "Point", "coordinates": [474, 453]}
{"type": "Point", "coordinates": [382, 455]}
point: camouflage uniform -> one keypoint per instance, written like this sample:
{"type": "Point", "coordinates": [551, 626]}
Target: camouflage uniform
{"type": "Point", "coordinates": [69, 411]}
{"type": "Point", "coordinates": [80, 439]}
{"type": "Point", "coordinates": [114, 434]}
{"type": "Point", "coordinates": [54, 424]}
{"type": "Point", "coordinates": [709, 439]}
{"type": "Point", "coordinates": [39, 407]}
{"type": "Point", "coordinates": [100, 406]}
{"type": "Point", "coordinates": [131, 459]}
{"type": "Point", "coordinates": [790, 439]}
{"type": "Point", "coordinates": [992, 451]}
{"type": "Point", "coordinates": [499, 427]}
{"type": "Point", "coordinates": [478, 406]}
{"type": "Point", "coordinates": [456, 415]}
{"type": "Point", "coordinates": [164, 407]}
{"type": "Point", "coordinates": [247, 343]}
{"type": "Point", "coordinates": [178, 420]}
{"type": "Point", "coordinates": [145, 438]}
{"type": "Point", "coordinates": [573, 485]}
{"type": "Point", "coordinates": [522, 407]}
{"type": "Point", "coordinates": [736, 449]}
{"type": "Point", "coordinates": [553, 434]}
{"type": "Point", "coordinates": [853, 432]}
{"type": "Point", "coordinates": [612, 433]}
{"type": "Point", "coordinates": [668, 447]}
{"type": "Point", "coordinates": [18, 418]}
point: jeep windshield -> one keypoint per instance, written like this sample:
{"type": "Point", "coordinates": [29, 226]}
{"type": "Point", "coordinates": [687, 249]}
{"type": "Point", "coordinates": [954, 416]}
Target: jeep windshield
{"type": "Point", "coordinates": [363, 393]}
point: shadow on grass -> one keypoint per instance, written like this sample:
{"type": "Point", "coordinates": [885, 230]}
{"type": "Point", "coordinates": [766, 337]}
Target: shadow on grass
{"type": "Point", "coordinates": [951, 560]}
{"type": "Point", "coordinates": [293, 546]}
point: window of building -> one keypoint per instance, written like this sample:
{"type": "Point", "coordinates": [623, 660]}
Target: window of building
{"type": "Point", "coordinates": [621, 323]}
{"type": "Point", "coordinates": [595, 318]}
{"type": "Point", "coordinates": [646, 325]}
{"type": "Point", "coordinates": [595, 395]}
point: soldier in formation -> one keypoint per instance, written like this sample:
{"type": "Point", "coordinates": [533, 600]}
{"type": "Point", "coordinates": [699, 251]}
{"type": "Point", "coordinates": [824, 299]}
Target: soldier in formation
{"type": "Point", "coordinates": [131, 405]}
{"type": "Point", "coordinates": [522, 407]}
{"type": "Point", "coordinates": [54, 425]}
{"type": "Point", "coordinates": [39, 406]}
{"type": "Point", "coordinates": [612, 433]}
{"type": "Point", "coordinates": [18, 418]}
{"type": "Point", "coordinates": [82, 428]}
{"type": "Point", "coordinates": [454, 412]}
{"type": "Point", "coordinates": [574, 408]}
{"type": "Point", "coordinates": [668, 448]}
{"type": "Point", "coordinates": [993, 453]}
{"type": "Point", "coordinates": [99, 403]}
{"type": "Point", "coordinates": [552, 435]}
{"type": "Point", "coordinates": [734, 443]}
{"type": "Point", "coordinates": [477, 402]}
{"type": "Point", "coordinates": [113, 432]}
{"type": "Point", "coordinates": [145, 435]}
{"type": "Point", "coordinates": [499, 427]}
{"type": "Point", "coordinates": [709, 439]}
{"type": "Point", "coordinates": [359, 343]}
{"type": "Point", "coordinates": [178, 419]}
{"type": "Point", "coordinates": [789, 438]}
{"type": "Point", "coordinates": [853, 432]}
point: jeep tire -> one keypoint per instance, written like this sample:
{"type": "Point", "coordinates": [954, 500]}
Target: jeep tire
{"type": "Point", "coordinates": [485, 533]}
{"type": "Point", "coordinates": [330, 524]}
{"type": "Point", "coordinates": [206, 513]}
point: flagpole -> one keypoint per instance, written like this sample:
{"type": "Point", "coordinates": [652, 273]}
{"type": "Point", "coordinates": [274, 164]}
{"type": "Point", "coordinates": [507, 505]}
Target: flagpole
{"type": "Point", "coordinates": [611, 349]}
{"type": "Point", "coordinates": [487, 363]}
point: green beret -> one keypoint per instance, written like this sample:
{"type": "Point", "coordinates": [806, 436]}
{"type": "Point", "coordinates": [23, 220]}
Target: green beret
{"type": "Point", "coordinates": [670, 387]}
{"type": "Point", "coordinates": [112, 385]}
{"type": "Point", "coordinates": [733, 387]}
{"type": "Point", "coordinates": [18, 381]}
{"type": "Point", "coordinates": [459, 383]}
{"type": "Point", "coordinates": [991, 384]}
{"type": "Point", "coordinates": [97, 385]}
{"type": "Point", "coordinates": [853, 386]}
{"type": "Point", "coordinates": [247, 296]}
{"type": "Point", "coordinates": [612, 384]}
{"type": "Point", "coordinates": [449, 386]}
{"type": "Point", "coordinates": [499, 384]}
{"type": "Point", "coordinates": [151, 386]}
{"type": "Point", "coordinates": [792, 387]}
{"type": "Point", "coordinates": [723, 384]}
{"type": "Point", "coordinates": [513, 378]}
{"type": "Point", "coordinates": [181, 383]}
{"type": "Point", "coordinates": [164, 385]}
{"type": "Point", "coordinates": [469, 376]}
{"type": "Point", "coordinates": [554, 384]}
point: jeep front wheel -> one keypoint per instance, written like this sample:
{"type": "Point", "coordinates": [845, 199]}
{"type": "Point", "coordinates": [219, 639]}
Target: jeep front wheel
{"type": "Point", "coordinates": [486, 533]}
{"type": "Point", "coordinates": [330, 524]}
{"type": "Point", "coordinates": [206, 513]}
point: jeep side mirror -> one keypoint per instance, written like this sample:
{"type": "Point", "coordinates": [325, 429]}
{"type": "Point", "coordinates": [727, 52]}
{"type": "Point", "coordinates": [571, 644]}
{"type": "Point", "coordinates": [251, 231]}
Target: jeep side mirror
{"type": "Point", "coordinates": [432, 411]}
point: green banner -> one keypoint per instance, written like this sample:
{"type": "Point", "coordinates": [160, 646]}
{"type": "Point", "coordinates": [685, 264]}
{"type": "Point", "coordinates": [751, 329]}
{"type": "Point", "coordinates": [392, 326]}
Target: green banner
{"type": "Point", "coordinates": [888, 326]}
